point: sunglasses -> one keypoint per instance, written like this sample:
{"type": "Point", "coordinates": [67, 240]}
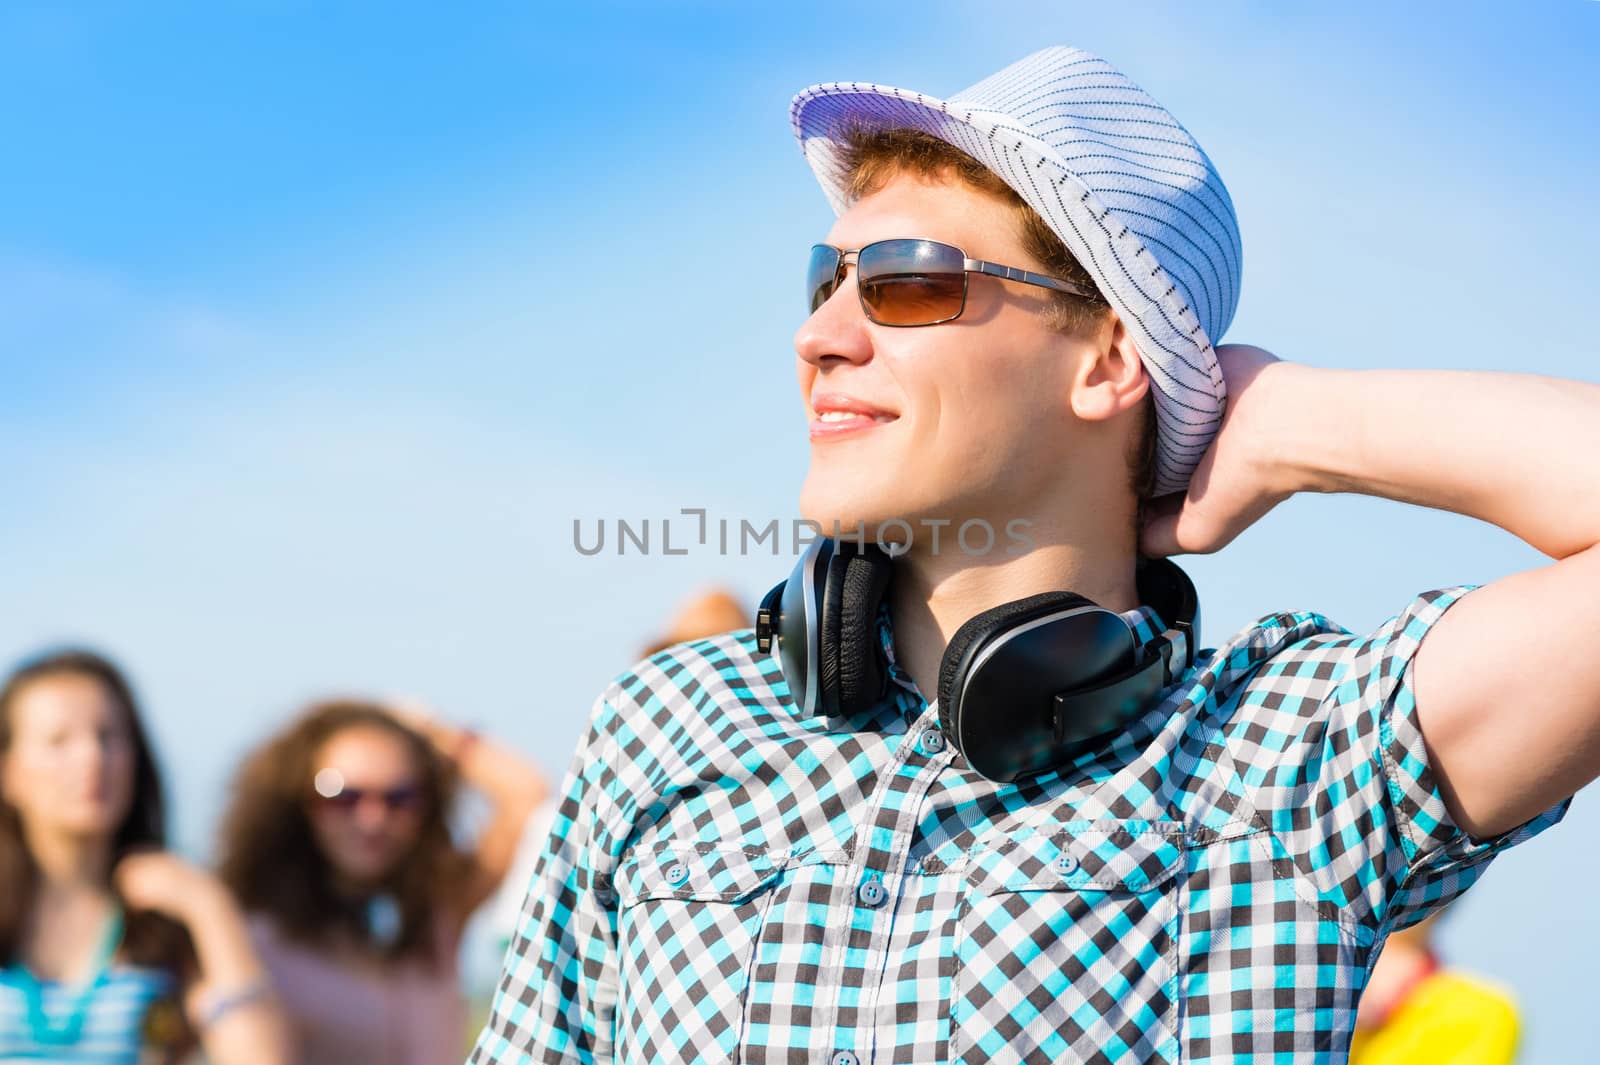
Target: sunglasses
{"type": "Point", "coordinates": [403, 799]}
{"type": "Point", "coordinates": [909, 281]}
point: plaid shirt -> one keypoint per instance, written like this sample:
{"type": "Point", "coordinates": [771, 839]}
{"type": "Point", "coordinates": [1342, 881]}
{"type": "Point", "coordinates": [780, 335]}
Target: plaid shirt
{"type": "Point", "coordinates": [727, 881]}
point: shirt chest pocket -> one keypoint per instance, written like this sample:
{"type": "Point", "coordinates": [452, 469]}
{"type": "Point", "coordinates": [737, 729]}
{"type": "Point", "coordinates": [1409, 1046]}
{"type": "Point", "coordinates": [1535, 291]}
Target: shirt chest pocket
{"type": "Point", "coordinates": [1066, 948]}
{"type": "Point", "coordinates": [688, 917]}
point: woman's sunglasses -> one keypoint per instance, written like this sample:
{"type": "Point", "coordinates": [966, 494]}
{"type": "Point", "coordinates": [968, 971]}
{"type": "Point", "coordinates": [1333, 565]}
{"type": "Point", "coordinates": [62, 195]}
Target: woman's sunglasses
{"type": "Point", "coordinates": [908, 281]}
{"type": "Point", "coordinates": [333, 794]}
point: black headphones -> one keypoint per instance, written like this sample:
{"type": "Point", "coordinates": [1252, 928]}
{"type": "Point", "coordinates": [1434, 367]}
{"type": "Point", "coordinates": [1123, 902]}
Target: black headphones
{"type": "Point", "coordinates": [1023, 688]}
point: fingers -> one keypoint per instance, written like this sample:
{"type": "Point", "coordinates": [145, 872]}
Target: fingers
{"type": "Point", "coordinates": [1159, 536]}
{"type": "Point", "coordinates": [1180, 525]}
{"type": "Point", "coordinates": [411, 712]}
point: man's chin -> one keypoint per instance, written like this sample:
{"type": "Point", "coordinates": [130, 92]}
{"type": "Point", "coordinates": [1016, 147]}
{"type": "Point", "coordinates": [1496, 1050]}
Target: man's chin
{"type": "Point", "coordinates": [856, 515]}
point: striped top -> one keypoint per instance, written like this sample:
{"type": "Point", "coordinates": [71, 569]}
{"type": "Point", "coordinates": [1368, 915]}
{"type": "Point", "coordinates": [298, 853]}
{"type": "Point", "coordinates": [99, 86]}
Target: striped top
{"type": "Point", "coordinates": [113, 1022]}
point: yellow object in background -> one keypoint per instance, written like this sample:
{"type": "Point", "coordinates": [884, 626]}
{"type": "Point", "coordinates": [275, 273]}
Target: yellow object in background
{"type": "Point", "coordinates": [1448, 1019]}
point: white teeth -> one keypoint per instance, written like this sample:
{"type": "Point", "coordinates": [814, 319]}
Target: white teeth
{"type": "Point", "coordinates": [846, 415]}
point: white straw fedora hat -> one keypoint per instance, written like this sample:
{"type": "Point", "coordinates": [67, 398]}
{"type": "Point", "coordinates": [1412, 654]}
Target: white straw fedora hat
{"type": "Point", "coordinates": [1124, 186]}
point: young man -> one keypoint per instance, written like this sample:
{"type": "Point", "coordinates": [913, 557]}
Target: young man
{"type": "Point", "coordinates": [1011, 321]}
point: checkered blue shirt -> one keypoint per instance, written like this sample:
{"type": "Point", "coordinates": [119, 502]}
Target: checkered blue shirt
{"type": "Point", "coordinates": [729, 882]}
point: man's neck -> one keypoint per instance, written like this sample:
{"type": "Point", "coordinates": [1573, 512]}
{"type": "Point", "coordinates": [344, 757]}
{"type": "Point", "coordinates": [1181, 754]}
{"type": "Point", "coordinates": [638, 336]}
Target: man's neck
{"type": "Point", "coordinates": [934, 595]}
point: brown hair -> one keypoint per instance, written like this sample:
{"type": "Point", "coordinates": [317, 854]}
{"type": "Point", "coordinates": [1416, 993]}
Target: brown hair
{"type": "Point", "coordinates": [149, 939]}
{"type": "Point", "coordinates": [871, 156]}
{"type": "Point", "coordinates": [270, 858]}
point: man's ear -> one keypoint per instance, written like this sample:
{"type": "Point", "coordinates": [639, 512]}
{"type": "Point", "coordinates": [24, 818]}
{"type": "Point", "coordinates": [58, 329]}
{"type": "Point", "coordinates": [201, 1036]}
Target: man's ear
{"type": "Point", "coordinates": [1110, 378]}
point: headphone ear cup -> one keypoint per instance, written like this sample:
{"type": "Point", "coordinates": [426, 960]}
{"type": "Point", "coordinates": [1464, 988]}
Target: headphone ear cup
{"type": "Point", "coordinates": [861, 667]}
{"type": "Point", "coordinates": [828, 638]}
{"type": "Point", "coordinates": [851, 669]}
{"type": "Point", "coordinates": [968, 638]}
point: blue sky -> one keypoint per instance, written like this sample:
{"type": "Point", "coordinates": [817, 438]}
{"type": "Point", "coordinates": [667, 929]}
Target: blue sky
{"type": "Point", "coordinates": [319, 327]}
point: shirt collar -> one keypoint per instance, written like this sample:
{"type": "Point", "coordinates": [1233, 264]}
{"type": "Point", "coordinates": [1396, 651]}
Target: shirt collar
{"type": "Point", "coordinates": [897, 675]}
{"type": "Point", "coordinates": [1146, 623]}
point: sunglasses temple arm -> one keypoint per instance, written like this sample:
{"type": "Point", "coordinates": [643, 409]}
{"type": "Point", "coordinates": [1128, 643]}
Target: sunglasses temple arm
{"type": "Point", "coordinates": [1027, 277]}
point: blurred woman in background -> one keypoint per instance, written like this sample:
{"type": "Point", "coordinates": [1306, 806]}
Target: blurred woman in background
{"type": "Point", "coordinates": [707, 612]}
{"type": "Point", "coordinates": [338, 844]}
{"type": "Point", "coordinates": [110, 947]}
{"type": "Point", "coordinates": [1417, 1011]}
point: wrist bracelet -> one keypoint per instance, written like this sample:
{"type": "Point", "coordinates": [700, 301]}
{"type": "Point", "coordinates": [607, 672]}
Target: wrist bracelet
{"type": "Point", "coordinates": [257, 989]}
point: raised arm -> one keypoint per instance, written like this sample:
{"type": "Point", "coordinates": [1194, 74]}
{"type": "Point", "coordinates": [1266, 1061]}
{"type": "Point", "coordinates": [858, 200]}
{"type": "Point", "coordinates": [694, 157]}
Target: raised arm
{"type": "Point", "coordinates": [1507, 684]}
{"type": "Point", "coordinates": [513, 785]}
{"type": "Point", "coordinates": [230, 1001]}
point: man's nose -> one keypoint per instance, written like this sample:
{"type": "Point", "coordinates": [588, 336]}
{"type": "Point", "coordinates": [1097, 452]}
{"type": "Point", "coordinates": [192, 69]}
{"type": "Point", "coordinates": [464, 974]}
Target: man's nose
{"type": "Point", "coordinates": [836, 330]}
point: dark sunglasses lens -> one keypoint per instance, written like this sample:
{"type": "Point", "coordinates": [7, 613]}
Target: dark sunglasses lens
{"type": "Point", "coordinates": [822, 273]}
{"type": "Point", "coordinates": [401, 800]}
{"type": "Point", "coordinates": [348, 799]}
{"type": "Point", "coordinates": [911, 282]}
{"type": "Point", "coordinates": [395, 800]}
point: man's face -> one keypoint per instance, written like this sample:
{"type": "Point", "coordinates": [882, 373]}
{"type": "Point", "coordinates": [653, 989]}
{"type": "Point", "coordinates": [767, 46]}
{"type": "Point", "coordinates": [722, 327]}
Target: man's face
{"type": "Point", "coordinates": [958, 421]}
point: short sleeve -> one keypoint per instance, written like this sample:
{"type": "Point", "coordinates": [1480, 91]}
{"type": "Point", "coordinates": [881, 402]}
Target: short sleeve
{"type": "Point", "coordinates": [556, 999]}
{"type": "Point", "coordinates": [1328, 751]}
{"type": "Point", "coordinates": [1437, 860]}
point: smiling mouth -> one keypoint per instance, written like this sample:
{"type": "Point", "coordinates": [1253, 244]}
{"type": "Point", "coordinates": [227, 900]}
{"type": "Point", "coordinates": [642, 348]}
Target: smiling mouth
{"type": "Point", "coordinates": [832, 424]}
{"type": "Point", "coordinates": [838, 414]}
{"type": "Point", "coordinates": [846, 415]}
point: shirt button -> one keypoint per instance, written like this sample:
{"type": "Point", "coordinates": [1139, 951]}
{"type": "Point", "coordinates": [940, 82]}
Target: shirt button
{"type": "Point", "coordinates": [677, 873]}
{"type": "Point", "coordinates": [932, 741]}
{"type": "Point", "coordinates": [871, 893]}
{"type": "Point", "coordinates": [1066, 865]}
{"type": "Point", "coordinates": [844, 1057]}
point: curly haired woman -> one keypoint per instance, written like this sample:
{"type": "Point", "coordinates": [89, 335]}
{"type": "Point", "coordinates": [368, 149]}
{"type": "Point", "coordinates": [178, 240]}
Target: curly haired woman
{"type": "Point", "coordinates": [338, 844]}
